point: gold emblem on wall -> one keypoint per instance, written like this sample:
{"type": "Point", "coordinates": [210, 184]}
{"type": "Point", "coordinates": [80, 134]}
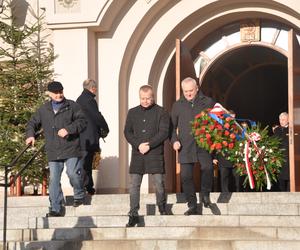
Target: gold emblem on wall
{"type": "Point", "coordinates": [250, 30]}
{"type": "Point", "coordinates": [63, 6]}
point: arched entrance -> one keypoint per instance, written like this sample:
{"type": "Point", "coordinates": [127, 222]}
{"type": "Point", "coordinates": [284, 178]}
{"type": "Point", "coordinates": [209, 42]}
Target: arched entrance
{"type": "Point", "coordinates": [252, 81]}
{"type": "Point", "coordinates": [250, 78]}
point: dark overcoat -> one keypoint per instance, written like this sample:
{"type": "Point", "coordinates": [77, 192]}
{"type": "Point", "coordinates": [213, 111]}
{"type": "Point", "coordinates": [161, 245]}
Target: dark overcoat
{"type": "Point", "coordinates": [183, 113]}
{"type": "Point", "coordinates": [147, 125]}
{"type": "Point", "coordinates": [89, 138]}
{"type": "Point", "coordinates": [283, 134]}
{"type": "Point", "coordinates": [70, 117]}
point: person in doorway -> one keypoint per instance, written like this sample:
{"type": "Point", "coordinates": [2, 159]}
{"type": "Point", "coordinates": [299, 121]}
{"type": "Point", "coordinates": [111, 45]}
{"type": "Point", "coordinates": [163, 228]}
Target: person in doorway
{"type": "Point", "coordinates": [62, 121]}
{"type": "Point", "coordinates": [282, 132]}
{"type": "Point", "coordinates": [183, 112]}
{"type": "Point", "coordinates": [96, 128]}
{"type": "Point", "coordinates": [146, 129]}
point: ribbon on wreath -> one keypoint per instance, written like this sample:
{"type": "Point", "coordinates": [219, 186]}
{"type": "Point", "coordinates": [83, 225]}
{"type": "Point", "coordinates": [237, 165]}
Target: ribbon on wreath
{"type": "Point", "coordinates": [253, 138]}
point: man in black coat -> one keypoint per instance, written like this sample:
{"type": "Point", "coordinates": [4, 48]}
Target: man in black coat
{"type": "Point", "coordinates": [146, 129]}
{"type": "Point", "coordinates": [96, 128]}
{"type": "Point", "coordinates": [62, 121]}
{"type": "Point", "coordinates": [282, 132]}
{"type": "Point", "coordinates": [183, 112]}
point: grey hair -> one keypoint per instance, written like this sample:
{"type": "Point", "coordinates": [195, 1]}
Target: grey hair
{"type": "Point", "coordinates": [89, 83]}
{"type": "Point", "coordinates": [188, 79]}
{"type": "Point", "coordinates": [283, 114]}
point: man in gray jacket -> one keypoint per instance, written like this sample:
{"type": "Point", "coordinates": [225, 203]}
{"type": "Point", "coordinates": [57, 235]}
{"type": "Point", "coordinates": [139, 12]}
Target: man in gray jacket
{"type": "Point", "coordinates": [146, 129]}
{"type": "Point", "coordinates": [62, 120]}
{"type": "Point", "coordinates": [183, 112]}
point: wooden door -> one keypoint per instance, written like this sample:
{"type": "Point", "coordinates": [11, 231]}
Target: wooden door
{"type": "Point", "coordinates": [294, 110]}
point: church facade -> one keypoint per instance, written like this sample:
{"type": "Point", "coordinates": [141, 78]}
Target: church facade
{"type": "Point", "coordinates": [241, 52]}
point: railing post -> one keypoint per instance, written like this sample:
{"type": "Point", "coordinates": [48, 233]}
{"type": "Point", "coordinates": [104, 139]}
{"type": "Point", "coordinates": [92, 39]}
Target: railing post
{"type": "Point", "coordinates": [5, 207]}
{"type": "Point", "coordinates": [44, 185]}
{"type": "Point", "coordinates": [12, 186]}
{"type": "Point", "coordinates": [19, 186]}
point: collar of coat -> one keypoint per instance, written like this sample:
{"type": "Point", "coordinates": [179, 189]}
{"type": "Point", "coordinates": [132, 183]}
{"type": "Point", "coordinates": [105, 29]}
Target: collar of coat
{"type": "Point", "coordinates": [200, 96]}
{"type": "Point", "coordinates": [88, 93]}
{"type": "Point", "coordinates": [150, 107]}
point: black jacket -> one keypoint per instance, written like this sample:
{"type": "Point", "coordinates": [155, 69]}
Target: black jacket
{"type": "Point", "coordinates": [89, 138]}
{"type": "Point", "coordinates": [283, 134]}
{"type": "Point", "coordinates": [182, 114]}
{"type": "Point", "coordinates": [69, 117]}
{"type": "Point", "coordinates": [147, 125]}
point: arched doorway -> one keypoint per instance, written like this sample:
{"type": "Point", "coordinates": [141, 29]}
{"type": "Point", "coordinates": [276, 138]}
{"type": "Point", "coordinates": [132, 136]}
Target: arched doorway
{"type": "Point", "coordinates": [252, 81]}
{"type": "Point", "coordinates": [250, 78]}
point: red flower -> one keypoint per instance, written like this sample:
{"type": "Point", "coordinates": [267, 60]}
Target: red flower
{"type": "Point", "coordinates": [225, 143]}
{"type": "Point", "coordinates": [211, 127]}
{"type": "Point", "coordinates": [226, 133]}
{"type": "Point", "coordinates": [196, 124]}
{"type": "Point", "coordinates": [219, 127]}
{"type": "Point", "coordinates": [208, 136]}
{"type": "Point", "coordinates": [227, 125]}
{"type": "Point", "coordinates": [218, 145]}
{"type": "Point", "coordinates": [232, 136]}
{"type": "Point", "coordinates": [230, 145]}
{"type": "Point", "coordinates": [212, 147]}
{"type": "Point", "coordinates": [198, 132]}
{"type": "Point", "coordinates": [205, 122]}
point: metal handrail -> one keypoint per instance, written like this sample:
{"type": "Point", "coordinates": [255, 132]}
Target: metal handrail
{"type": "Point", "coordinates": [6, 184]}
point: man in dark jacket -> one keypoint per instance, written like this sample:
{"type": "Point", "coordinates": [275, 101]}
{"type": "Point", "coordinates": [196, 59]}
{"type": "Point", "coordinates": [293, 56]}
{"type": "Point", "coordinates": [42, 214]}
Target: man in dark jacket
{"type": "Point", "coordinates": [282, 132]}
{"type": "Point", "coordinates": [183, 112]}
{"type": "Point", "coordinates": [62, 121]}
{"type": "Point", "coordinates": [96, 128]}
{"type": "Point", "coordinates": [146, 129]}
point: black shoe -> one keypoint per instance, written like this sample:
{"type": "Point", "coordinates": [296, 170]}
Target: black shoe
{"type": "Point", "coordinates": [133, 220]}
{"type": "Point", "coordinates": [91, 191]}
{"type": "Point", "coordinates": [78, 202]}
{"type": "Point", "coordinates": [191, 211]}
{"type": "Point", "coordinates": [206, 201]}
{"type": "Point", "coordinates": [54, 214]}
{"type": "Point", "coordinates": [162, 209]}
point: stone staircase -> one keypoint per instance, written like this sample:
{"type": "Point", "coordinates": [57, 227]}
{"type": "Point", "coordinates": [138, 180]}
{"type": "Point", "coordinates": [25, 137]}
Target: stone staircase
{"type": "Point", "coordinates": [252, 220]}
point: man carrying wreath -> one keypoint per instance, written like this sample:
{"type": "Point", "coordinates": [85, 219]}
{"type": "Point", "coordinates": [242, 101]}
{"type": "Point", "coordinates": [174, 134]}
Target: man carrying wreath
{"type": "Point", "coordinates": [183, 112]}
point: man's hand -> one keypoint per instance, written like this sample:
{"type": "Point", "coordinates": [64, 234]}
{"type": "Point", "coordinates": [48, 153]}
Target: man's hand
{"type": "Point", "coordinates": [176, 145]}
{"type": "Point", "coordinates": [144, 147]}
{"type": "Point", "coordinates": [62, 133]}
{"type": "Point", "coordinates": [30, 140]}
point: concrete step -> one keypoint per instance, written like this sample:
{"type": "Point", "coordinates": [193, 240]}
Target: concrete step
{"type": "Point", "coordinates": [20, 217]}
{"type": "Point", "coordinates": [157, 221]}
{"type": "Point", "coordinates": [232, 198]}
{"type": "Point", "coordinates": [179, 244]}
{"type": "Point", "coordinates": [157, 233]}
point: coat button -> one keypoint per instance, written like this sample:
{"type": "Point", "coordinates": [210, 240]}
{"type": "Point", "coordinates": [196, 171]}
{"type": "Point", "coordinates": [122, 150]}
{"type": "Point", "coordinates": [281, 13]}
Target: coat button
{"type": "Point", "coordinates": [144, 120]}
{"type": "Point", "coordinates": [143, 130]}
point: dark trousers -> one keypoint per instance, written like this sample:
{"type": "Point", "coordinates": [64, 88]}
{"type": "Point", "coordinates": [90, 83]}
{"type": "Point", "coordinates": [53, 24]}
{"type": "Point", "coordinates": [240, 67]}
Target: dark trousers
{"type": "Point", "coordinates": [230, 180]}
{"type": "Point", "coordinates": [284, 185]}
{"type": "Point", "coordinates": [134, 191]}
{"type": "Point", "coordinates": [187, 182]}
{"type": "Point", "coordinates": [88, 167]}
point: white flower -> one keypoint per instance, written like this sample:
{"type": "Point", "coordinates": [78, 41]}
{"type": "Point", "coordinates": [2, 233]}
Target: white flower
{"type": "Point", "coordinates": [270, 150]}
{"type": "Point", "coordinates": [265, 159]}
{"type": "Point", "coordinates": [254, 159]}
{"type": "Point", "coordinates": [263, 147]}
{"type": "Point", "coordinates": [241, 144]}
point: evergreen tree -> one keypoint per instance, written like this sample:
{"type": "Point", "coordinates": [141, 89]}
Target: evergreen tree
{"type": "Point", "coordinates": [26, 60]}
